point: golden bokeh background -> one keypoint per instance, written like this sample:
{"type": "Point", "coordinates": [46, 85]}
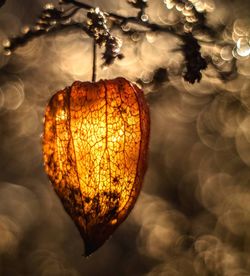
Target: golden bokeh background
{"type": "Point", "coordinates": [193, 215]}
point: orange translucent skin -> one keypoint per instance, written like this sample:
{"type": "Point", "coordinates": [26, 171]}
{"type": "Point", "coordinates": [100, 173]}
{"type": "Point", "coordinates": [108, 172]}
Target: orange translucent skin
{"type": "Point", "coordinates": [95, 148]}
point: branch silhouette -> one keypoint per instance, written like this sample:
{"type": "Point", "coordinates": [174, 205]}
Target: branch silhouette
{"type": "Point", "coordinates": [99, 25]}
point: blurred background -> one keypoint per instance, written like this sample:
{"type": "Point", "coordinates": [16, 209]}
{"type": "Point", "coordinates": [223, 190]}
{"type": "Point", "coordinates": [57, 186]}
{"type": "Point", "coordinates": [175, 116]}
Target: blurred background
{"type": "Point", "coordinates": [193, 214]}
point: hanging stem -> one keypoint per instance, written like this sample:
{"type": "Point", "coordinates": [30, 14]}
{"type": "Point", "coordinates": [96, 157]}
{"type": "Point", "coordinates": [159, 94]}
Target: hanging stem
{"type": "Point", "coordinates": [94, 62]}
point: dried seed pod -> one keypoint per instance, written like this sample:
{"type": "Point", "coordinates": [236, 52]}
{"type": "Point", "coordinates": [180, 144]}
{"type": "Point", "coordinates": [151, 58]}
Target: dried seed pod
{"type": "Point", "coordinates": [95, 148]}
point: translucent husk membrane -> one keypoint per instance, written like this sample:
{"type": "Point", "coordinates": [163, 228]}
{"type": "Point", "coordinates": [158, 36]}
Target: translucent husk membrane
{"type": "Point", "coordinates": [95, 152]}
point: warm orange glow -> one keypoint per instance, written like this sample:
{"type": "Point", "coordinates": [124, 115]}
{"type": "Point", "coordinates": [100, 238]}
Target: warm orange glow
{"type": "Point", "coordinates": [95, 152]}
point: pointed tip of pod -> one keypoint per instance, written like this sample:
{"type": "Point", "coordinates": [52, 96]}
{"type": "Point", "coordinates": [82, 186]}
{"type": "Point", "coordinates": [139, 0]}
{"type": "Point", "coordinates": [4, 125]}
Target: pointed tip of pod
{"type": "Point", "coordinates": [88, 251]}
{"type": "Point", "coordinates": [91, 247]}
{"type": "Point", "coordinates": [96, 237]}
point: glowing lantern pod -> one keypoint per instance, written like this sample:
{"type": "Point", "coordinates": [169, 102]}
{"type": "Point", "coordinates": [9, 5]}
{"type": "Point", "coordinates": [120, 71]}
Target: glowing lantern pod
{"type": "Point", "coordinates": [95, 148]}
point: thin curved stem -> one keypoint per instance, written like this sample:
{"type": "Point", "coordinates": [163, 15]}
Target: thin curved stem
{"type": "Point", "coordinates": [94, 62]}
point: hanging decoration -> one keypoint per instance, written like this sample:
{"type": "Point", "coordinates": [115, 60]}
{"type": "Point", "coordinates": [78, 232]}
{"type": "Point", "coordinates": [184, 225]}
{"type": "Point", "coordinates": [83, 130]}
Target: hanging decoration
{"type": "Point", "coordinates": [95, 148]}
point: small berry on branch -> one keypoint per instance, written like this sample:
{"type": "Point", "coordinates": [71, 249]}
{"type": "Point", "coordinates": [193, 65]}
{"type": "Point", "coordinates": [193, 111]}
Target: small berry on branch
{"type": "Point", "coordinates": [141, 5]}
{"type": "Point", "coordinates": [97, 25]}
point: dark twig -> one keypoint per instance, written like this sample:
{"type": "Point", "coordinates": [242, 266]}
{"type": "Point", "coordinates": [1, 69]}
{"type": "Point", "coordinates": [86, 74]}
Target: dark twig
{"type": "Point", "coordinates": [94, 62]}
{"type": "Point", "coordinates": [99, 26]}
{"type": "Point", "coordinates": [193, 60]}
{"type": "Point", "coordinates": [124, 19]}
{"type": "Point", "coordinates": [18, 41]}
{"type": "Point", "coordinates": [141, 5]}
